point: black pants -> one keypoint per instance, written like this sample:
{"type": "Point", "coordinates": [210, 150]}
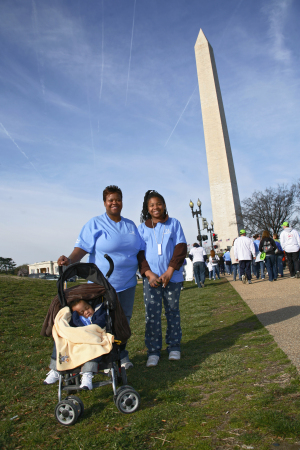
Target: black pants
{"type": "Point", "coordinates": [245, 267]}
{"type": "Point", "coordinates": [293, 262]}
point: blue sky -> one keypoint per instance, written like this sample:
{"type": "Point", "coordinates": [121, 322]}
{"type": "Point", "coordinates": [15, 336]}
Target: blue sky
{"type": "Point", "coordinates": [92, 93]}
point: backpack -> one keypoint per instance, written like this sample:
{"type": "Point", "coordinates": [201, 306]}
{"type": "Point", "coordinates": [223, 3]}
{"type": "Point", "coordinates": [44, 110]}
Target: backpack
{"type": "Point", "coordinates": [267, 247]}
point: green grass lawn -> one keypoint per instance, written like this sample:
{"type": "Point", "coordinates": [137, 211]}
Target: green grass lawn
{"type": "Point", "coordinates": [233, 388]}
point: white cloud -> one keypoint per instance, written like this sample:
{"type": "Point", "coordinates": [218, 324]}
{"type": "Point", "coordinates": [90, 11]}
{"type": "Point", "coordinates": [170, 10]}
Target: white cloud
{"type": "Point", "coordinates": [277, 12]}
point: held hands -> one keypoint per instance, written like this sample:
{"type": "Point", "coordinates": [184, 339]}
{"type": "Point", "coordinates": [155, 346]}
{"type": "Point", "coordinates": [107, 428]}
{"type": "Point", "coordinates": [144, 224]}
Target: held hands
{"type": "Point", "coordinates": [166, 277]}
{"type": "Point", "coordinates": [63, 261]}
{"type": "Point", "coordinates": [153, 279]}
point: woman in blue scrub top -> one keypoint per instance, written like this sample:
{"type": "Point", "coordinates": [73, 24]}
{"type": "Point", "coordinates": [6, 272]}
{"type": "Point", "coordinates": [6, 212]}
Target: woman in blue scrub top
{"type": "Point", "coordinates": [118, 237]}
{"type": "Point", "coordinates": [165, 251]}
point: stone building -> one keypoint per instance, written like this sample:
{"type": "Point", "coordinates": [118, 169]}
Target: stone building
{"type": "Point", "coordinates": [43, 267]}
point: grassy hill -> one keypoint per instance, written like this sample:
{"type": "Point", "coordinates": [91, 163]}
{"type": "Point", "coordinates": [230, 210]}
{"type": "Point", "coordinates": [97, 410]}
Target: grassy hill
{"type": "Point", "coordinates": [233, 388]}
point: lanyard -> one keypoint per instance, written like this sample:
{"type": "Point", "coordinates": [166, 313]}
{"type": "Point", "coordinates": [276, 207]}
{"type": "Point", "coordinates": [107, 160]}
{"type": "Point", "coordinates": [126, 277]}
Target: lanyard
{"type": "Point", "coordinates": [159, 246]}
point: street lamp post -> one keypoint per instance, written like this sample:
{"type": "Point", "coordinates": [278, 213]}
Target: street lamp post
{"type": "Point", "coordinates": [197, 213]}
{"type": "Point", "coordinates": [211, 230]}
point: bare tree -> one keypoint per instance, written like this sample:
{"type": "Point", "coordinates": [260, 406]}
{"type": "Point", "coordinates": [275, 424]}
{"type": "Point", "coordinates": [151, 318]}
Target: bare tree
{"type": "Point", "coordinates": [269, 209]}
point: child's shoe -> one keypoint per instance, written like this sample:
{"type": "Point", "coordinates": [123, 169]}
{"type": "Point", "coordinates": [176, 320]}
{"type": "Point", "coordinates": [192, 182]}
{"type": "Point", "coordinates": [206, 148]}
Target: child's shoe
{"type": "Point", "coordinates": [86, 381]}
{"type": "Point", "coordinates": [52, 377]}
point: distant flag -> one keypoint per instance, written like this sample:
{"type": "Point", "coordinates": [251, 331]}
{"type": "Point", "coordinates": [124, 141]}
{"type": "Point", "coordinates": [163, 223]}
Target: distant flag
{"type": "Point", "coordinates": [220, 240]}
{"type": "Point", "coordinates": [228, 239]}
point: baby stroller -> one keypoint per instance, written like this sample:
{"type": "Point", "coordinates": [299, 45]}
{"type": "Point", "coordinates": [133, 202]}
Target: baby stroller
{"type": "Point", "coordinates": [126, 399]}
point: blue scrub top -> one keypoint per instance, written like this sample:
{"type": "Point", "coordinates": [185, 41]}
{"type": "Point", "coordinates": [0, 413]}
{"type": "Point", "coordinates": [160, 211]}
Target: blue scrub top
{"type": "Point", "coordinates": [121, 241]}
{"type": "Point", "coordinates": [170, 234]}
{"type": "Point", "coordinates": [226, 256]}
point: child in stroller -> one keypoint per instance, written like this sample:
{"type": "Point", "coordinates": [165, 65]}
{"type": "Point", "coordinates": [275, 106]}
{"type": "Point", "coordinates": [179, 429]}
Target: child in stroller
{"type": "Point", "coordinates": [83, 315]}
{"type": "Point", "coordinates": [99, 291]}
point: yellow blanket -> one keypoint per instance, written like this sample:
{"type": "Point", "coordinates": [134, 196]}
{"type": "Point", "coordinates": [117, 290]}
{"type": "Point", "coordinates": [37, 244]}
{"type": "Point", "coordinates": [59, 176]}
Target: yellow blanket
{"type": "Point", "coordinates": [77, 345]}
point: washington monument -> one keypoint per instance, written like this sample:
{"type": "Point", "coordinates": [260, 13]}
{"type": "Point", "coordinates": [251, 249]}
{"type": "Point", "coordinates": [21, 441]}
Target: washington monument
{"type": "Point", "coordinates": [224, 192]}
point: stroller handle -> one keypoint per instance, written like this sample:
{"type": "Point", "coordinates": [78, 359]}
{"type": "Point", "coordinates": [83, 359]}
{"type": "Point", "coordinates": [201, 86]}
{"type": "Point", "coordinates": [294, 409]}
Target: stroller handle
{"type": "Point", "coordinates": [110, 270]}
{"type": "Point", "coordinates": [111, 266]}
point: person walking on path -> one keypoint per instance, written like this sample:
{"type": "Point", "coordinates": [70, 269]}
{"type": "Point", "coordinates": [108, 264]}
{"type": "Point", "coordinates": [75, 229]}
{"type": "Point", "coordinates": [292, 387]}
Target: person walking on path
{"type": "Point", "coordinates": [227, 260]}
{"type": "Point", "coordinates": [165, 251]}
{"type": "Point", "coordinates": [259, 263]}
{"type": "Point", "coordinates": [214, 260]}
{"type": "Point", "coordinates": [221, 265]}
{"type": "Point", "coordinates": [290, 243]}
{"type": "Point", "coordinates": [243, 251]}
{"type": "Point", "coordinates": [268, 246]}
{"type": "Point", "coordinates": [199, 256]}
{"type": "Point", "coordinates": [234, 263]}
{"type": "Point", "coordinates": [279, 256]}
{"type": "Point", "coordinates": [210, 270]}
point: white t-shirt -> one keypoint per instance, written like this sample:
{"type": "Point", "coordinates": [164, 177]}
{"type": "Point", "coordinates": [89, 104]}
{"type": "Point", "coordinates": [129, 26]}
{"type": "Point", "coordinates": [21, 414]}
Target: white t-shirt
{"type": "Point", "coordinates": [209, 266]}
{"type": "Point", "coordinates": [198, 253]}
{"type": "Point", "coordinates": [289, 240]}
{"type": "Point", "coordinates": [244, 249]}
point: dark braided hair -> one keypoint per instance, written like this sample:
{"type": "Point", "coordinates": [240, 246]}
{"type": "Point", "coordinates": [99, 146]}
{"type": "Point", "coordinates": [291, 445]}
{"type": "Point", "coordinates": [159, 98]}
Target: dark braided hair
{"type": "Point", "coordinates": [150, 194]}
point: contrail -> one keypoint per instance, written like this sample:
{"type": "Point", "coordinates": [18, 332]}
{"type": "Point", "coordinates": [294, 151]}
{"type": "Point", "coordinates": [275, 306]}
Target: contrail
{"type": "Point", "coordinates": [36, 32]}
{"type": "Point", "coordinates": [181, 116]}
{"type": "Point", "coordinates": [23, 153]}
{"type": "Point", "coordinates": [228, 23]}
{"type": "Point", "coordinates": [89, 107]}
{"type": "Point", "coordinates": [102, 53]}
{"type": "Point", "coordinates": [130, 50]}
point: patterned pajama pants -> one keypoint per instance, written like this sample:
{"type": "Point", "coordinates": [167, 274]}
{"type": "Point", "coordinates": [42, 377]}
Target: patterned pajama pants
{"type": "Point", "coordinates": [153, 298]}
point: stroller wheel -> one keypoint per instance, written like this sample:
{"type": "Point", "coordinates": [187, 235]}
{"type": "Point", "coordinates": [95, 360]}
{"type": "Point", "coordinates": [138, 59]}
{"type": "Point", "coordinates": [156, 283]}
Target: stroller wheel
{"type": "Point", "coordinates": [128, 400]}
{"type": "Point", "coordinates": [121, 388]}
{"type": "Point", "coordinates": [78, 403]}
{"type": "Point", "coordinates": [66, 412]}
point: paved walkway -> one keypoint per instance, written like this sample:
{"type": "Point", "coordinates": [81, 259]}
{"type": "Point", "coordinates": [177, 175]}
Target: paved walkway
{"type": "Point", "coordinates": [277, 306]}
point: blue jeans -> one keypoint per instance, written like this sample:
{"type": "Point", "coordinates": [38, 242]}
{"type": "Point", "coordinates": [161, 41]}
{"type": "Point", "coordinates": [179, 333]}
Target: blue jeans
{"type": "Point", "coordinates": [153, 298]}
{"type": "Point", "coordinates": [216, 271]}
{"type": "Point", "coordinates": [210, 274]}
{"type": "Point", "coordinates": [255, 269]}
{"type": "Point", "coordinates": [235, 268]}
{"type": "Point", "coordinates": [199, 272]}
{"type": "Point", "coordinates": [228, 268]}
{"type": "Point", "coordinates": [279, 264]}
{"type": "Point", "coordinates": [271, 267]}
{"type": "Point", "coordinates": [126, 299]}
{"type": "Point", "coordinates": [261, 269]}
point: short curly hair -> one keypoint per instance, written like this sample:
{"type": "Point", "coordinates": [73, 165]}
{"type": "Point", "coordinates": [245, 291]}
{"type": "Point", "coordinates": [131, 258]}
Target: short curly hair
{"type": "Point", "coordinates": [112, 190]}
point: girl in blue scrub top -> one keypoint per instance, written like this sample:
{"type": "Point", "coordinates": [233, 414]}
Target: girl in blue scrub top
{"type": "Point", "coordinates": [165, 251]}
{"type": "Point", "coordinates": [118, 237]}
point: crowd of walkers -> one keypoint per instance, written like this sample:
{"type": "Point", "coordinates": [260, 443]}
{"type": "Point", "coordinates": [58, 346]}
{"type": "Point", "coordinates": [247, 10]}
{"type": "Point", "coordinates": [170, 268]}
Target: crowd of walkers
{"type": "Point", "coordinates": [251, 256]}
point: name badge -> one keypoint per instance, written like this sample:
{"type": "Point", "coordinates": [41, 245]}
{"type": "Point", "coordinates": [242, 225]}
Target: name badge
{"type": "Point", "coordinates": [159, 248]}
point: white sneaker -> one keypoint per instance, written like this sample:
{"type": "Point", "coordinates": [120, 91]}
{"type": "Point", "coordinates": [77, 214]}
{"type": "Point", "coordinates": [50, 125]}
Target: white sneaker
{"type": "Point", "coordinates": [86, 381]}
{"type": "Point", "coordinates": [174, 355]}
{"type": "Point", "coordinates": [52, 377]}
{"type": "Point", "coordinates": [127, 365]}
{"type": "Point", "coordinates": [152, 361]}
